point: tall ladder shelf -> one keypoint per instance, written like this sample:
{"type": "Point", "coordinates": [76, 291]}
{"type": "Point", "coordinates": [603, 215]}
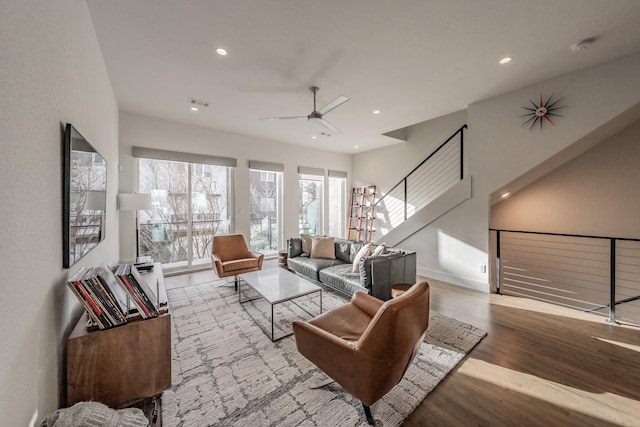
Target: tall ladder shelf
{"type": "Point", "coordinates": [361, 213]}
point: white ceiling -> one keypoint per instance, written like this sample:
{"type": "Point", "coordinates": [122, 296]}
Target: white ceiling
{"type": "Point", "coordinates": [414, 60]}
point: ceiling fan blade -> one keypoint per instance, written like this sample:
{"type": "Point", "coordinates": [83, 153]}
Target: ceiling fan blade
{"type": "Point", "coordinates": [283, 118]}
{"type": "Point", "coordinates": [333, 104]}
{"type": "Point", "coordinates": [326, 124]}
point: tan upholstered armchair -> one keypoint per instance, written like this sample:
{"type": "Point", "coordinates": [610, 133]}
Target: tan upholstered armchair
{"type": "Point", "coordinates": [231, 256]}
{"type": "Point", "coordinates": [367, 344]}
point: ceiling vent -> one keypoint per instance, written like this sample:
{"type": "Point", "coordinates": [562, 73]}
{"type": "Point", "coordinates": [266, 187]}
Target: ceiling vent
{"type": "Point", "coordinates": [198, 103]}
{"type": "Point", "coordinates": [582, 45]}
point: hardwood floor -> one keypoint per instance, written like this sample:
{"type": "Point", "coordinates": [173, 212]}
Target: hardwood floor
{"type": "Point", "coordinates": [539, 365]}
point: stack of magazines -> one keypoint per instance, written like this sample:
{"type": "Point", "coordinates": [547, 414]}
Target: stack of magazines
{"type": "Point", "coordinates": [143, 299]}
{"type": "Point", "coordinates": [111, 294]}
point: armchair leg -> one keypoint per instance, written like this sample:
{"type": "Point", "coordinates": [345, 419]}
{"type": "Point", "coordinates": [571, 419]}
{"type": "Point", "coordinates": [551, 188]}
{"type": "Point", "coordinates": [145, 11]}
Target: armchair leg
{"type": "Point", "coordinates": [235, 283]}
{"type": "Point", "coordinates": [367, 413]}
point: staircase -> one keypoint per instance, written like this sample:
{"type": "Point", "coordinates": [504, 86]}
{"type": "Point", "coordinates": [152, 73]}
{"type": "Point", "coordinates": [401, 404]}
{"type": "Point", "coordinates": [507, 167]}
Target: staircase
{"type": "Point", "coordinates": [430, 190]}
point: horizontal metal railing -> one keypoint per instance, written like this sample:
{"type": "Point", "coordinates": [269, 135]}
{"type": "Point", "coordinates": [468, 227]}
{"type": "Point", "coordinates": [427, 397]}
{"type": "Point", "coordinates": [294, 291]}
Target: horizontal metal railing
{"type": "Point", "coordinates": [168, 241]}
{"type": "Point", "coordinates": [442, 169]}
{"type": "Point", "coordinates": [590, 273]}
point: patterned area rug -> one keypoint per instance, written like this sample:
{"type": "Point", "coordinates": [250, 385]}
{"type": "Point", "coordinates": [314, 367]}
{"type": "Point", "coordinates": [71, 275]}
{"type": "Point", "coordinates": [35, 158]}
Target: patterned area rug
{"type": "Point", "coordinates": [227, 372]}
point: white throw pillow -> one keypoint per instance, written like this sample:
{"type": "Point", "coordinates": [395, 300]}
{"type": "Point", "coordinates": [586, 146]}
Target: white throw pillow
{"type": "Point", "coordinates": [380, 249]}
{"type": "Point", "coordinates": [364, 251]}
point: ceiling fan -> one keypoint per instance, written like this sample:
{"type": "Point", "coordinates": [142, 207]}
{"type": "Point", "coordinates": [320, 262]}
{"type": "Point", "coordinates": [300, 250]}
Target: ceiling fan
{"type": "Point", "coordinates": [316, 115]}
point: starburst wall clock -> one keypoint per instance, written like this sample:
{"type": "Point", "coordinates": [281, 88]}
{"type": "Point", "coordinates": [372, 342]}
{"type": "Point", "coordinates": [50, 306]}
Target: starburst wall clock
{"type": "Point", "coordinates": [542, 112]}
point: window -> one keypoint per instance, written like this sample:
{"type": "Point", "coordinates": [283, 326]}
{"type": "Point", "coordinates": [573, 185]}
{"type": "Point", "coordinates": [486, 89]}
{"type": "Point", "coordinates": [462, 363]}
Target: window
{"type": "Point", "coordinates": [310, 200]}
{"type": "Point", "coordinates": [192, 202]}
{"type": "Point", "coordinates": [336, 202]}
{"type": "Point", "coordinates": [265, 197]}
{"type": "Point", "coordinates": [266, 176]}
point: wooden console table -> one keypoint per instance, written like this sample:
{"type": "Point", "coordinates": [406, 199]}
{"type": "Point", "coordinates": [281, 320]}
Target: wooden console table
{"type": "Point", "coordinates": [122, 365]}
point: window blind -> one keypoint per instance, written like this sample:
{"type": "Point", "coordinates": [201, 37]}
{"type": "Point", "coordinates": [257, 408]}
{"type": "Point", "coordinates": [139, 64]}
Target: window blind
{"type": "Point", "coordinates": [176, 156]}
{"type": "Point", "coordinates": [336, 174]}
{"type": "Point", "coordinates": [266, 166]}
{"type": "Point", "coordinates": [310, 171]}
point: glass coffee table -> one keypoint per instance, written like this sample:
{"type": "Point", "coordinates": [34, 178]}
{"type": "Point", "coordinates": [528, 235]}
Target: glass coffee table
{"type": "Point", "coordinates": [276, 286]}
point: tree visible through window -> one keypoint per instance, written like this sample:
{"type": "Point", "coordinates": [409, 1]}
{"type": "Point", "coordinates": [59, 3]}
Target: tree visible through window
{"type": "Point", "coordinates": [191, 204]}
{"type": "Point", "coordinates": [310, 204]}
{"type": "Point", "coordinates": [265, 216]}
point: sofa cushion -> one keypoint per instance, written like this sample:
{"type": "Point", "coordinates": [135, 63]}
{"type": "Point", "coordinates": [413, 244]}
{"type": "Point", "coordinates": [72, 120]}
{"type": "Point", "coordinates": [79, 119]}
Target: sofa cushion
{"type": "Point", "coordinates": [355, 247]}
{"type": "Point", "coordinates": [343, 250]}
{"type": "Point", "coordinates": [322, 247]}
{"type": "Point", "coordinates": [342, 278]}
{"type": "Point", "coordinates": [294, 247]}
{"type": "Point", "coordinates": [311, 266]}
{"type": "Point", "coordinates": [240, 264]}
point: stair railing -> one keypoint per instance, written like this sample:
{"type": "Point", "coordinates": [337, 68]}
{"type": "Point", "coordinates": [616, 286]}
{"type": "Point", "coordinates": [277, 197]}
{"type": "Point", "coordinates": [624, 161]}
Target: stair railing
{"type": "Point", "coordinates": [442, 169]}
{"type": "Point", "coordinates": [593, 274]}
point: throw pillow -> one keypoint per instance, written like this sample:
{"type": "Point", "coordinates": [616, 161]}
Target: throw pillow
{"type": "Point", "coordinates": [343, 250]}
{"type": "Point", "coordinates": [364, 251]}
{"type": "Point", "coordinates": [380, 249]}
{"type": "Point", "coordinates": [322, 247]}
{"type": "Point", "coordinates": [306, 243]}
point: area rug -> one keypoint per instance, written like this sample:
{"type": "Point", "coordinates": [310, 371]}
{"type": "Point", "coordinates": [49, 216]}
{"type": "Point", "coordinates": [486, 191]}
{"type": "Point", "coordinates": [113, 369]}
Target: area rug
{"type": "Point", "coordinates": [227, 372]}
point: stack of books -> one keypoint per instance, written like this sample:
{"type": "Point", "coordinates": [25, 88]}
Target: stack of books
{"type": "Point", "coordinates": [110, 295]}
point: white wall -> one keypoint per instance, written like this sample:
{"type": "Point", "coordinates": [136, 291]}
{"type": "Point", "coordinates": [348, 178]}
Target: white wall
{"type": "Point", "coordinates": [51, 72]}
{"type": "Point", "coordinates": [385, 167]}
{"type": "Point", "coordinates": [143, 131]}
{"type": "Point", "coordinates": [498, 149]}
{"type": "Point", "coordinates": [594, 194]}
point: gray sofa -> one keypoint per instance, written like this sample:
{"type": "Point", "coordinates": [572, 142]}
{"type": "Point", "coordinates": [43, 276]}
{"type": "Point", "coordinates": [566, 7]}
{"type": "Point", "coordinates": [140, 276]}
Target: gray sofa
{"type": "Point", "coordinates": [376, 274]}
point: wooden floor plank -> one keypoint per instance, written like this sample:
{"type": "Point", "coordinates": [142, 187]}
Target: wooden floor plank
{"type": "Point", "coordinates": [539, 365]}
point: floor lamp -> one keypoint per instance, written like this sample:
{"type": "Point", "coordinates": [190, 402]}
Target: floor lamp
{"type": "Point", "coordinates": [135, 202]}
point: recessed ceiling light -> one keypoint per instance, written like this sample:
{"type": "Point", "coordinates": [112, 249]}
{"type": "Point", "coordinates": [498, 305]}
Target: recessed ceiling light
{"type": "Point", "coordinates": [221, 51]}
{"type": "Point", "coordinates": [314, 137]}
{"type": "Point", "coordinates": [505, 60]}
{"type": "Point", "coordinates": [376, 111]}
{"type": "Point", "coordinates": [356, 146]}
{"type": "Point", "coordinates": [194, 108]}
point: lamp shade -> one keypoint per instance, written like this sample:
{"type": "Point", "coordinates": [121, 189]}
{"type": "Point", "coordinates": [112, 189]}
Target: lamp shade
{"type": "Point", "coordinates": [134, 202]}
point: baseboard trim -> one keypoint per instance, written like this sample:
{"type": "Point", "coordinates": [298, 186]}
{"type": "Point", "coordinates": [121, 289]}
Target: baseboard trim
{"type": "Point", "coordinates": [464, 282]}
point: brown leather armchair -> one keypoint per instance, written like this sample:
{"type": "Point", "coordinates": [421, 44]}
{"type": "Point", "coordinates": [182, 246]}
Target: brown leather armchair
{"type": "Point", "coordinates": [231, 256]}
{"type": "Point", "coordinates": [367, 344]}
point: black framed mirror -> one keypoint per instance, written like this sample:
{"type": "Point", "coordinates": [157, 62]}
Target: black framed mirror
{"type": "Point", "coordinates": [84, 197]}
